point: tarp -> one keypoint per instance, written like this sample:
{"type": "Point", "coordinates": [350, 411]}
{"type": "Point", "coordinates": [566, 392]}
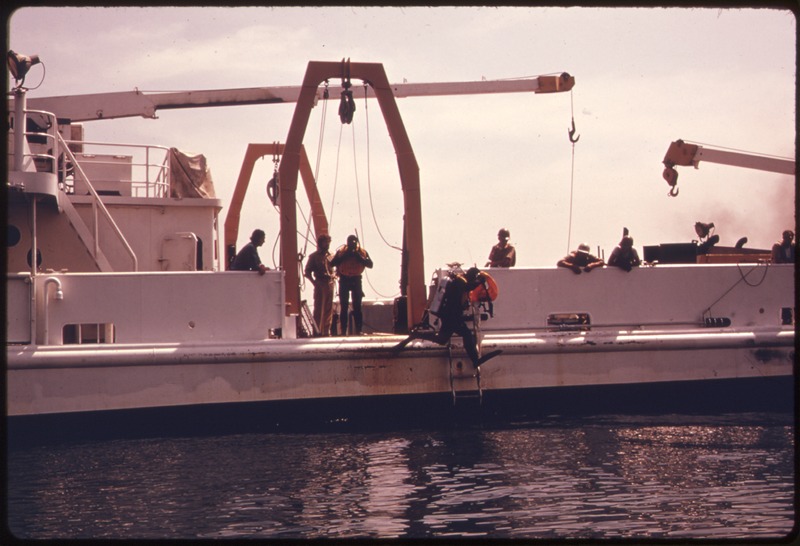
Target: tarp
{"type": "Point", "coordinates": [189, 175]}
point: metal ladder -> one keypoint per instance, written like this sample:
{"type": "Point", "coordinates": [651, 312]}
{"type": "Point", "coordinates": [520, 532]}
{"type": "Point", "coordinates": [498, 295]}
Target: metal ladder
{"type": "Point", "coordinates": [308, 327]}
{"type": "Point", "coordinates": [461, 373]}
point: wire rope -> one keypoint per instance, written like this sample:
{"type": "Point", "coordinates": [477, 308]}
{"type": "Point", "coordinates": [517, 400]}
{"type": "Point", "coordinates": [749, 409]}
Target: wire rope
{"type": "Point", "coordinates": [335, 177]}
{"type": "Point", "coordinates": [358, 197]}
{"type": "Point", "coordinates": [317, 164]}
{"type": "Point", "coordinates": [358, 190]}
{"type": "Point", "coordinates": [742, 278]}
{"type": "Point", "coordinates": [571, 180]}
{"type": "Point", "coordinates": [369, 181]}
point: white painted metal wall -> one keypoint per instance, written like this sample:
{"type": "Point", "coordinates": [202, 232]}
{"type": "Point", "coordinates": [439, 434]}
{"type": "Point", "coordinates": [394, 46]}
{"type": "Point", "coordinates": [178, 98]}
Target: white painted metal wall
{"type": "Point", "coordinates": [199, 307]}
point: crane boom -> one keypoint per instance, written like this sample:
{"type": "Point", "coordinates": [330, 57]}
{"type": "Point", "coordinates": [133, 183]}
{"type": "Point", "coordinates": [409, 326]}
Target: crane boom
{"type": "Point", "coordinates": [685, 154]}
{"type": "Point", "coordinates": [135, 103]}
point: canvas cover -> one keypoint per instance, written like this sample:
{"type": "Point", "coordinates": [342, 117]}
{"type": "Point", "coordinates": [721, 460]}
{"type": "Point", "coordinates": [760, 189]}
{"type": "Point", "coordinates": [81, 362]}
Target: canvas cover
{"type": "Point", "coordinates": [189, 175]}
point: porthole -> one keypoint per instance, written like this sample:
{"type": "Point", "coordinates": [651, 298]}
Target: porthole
{"type": "Point", "coordinates": [38, 258]}
{"type": "Point", "coordinates": [13, 236]}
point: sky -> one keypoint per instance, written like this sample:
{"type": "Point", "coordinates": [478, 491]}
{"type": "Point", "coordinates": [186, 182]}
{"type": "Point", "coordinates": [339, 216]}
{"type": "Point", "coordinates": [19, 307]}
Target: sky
{"type": "Point", "coordinates": [644, 77]}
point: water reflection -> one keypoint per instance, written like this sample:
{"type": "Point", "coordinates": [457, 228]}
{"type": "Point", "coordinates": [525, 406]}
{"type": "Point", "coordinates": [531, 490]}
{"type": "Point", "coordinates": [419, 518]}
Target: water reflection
{"type": "Point", "coordinates": [535, 480]}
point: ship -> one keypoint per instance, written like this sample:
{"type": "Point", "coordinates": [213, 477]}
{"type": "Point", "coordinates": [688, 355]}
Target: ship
{"type": "Point", "coordinates": [121, 302]}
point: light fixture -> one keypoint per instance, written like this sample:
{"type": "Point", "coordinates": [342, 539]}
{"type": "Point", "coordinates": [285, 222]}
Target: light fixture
{"type": "Point", "coordinates": [20, 64]}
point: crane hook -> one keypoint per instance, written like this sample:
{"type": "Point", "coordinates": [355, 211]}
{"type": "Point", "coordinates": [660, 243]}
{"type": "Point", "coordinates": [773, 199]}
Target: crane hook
{"type": "Point", "coordinates": [671, 176]}
{"type": "Point", "coordinates": [572, 137]}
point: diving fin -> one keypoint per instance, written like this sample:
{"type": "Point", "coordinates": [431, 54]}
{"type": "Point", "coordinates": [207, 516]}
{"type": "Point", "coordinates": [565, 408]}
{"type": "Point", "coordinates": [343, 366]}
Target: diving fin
{"type": "Point", "coordinates": [400, 346]}
{"type": "Point", "coordinates": [488, 356]}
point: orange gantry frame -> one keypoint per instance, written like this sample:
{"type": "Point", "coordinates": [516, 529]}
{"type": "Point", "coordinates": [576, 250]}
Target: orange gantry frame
{"type": "Point", "coordinates": [255, 152]}
{"type": "Point", "coordinates": [374, 75]}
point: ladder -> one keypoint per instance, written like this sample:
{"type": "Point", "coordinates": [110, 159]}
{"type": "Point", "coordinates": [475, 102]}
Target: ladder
{"type": "Point", "coordinates": [308, 326]}
{"type": "Point", "coordinates": [465, 381]}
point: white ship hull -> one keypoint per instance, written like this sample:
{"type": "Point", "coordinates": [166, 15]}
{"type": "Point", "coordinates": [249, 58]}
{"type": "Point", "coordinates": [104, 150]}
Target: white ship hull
{"type": "Point", "coordinates": [127, 377]}
{"type": "Point", "coordinates": [667, 350]}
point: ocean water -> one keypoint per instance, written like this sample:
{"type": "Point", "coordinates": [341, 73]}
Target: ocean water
{"type": "Point", "coordinates": [642, 477]}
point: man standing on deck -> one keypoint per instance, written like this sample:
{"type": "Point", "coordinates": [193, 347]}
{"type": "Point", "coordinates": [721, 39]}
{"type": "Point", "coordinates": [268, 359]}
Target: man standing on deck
{"type": "Point", "coordinates": [503, 254]}
{"type": "Point", "coordinates": [247, 259]}
{"type": "Point", "coordinates": [350, 261]}
{"type": "Point", "coordinates": [318, 271]}
{"type": "Point", "coordinates": [783, 251]}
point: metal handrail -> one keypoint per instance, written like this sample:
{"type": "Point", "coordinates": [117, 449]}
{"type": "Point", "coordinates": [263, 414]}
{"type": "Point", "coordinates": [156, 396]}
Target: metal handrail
{"type": "Point", "coordinates": [97, 203]}
{"type": "Point", "coordinates": [51, 134]}
{"type": "Point", "coordinates": [159, 184]}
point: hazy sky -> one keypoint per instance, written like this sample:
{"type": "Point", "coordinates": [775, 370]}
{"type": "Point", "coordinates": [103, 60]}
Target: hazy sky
{"type": "Point", "coordinates": [644, 77]}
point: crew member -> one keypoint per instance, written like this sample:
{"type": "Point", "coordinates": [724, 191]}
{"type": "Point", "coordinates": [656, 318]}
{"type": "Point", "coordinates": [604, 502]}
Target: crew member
{"type": "Point", "coordinates": [580, 260]}
{"type": "Point", "coordinates": [247, 259]}
{"type": "Point", "coordinates": [318, 270]}
{"type": "Point", "coordinates": [624, 255]}
{"type": "Point", "coordinates": [350, 261]}
{"type": "Point", "coordinates": [784, 250]}
{"type": "Point", "coordinates": [503, 254]}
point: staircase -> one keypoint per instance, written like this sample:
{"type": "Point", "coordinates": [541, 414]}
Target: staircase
{"type": "Point", "coordinates": [90, 241]}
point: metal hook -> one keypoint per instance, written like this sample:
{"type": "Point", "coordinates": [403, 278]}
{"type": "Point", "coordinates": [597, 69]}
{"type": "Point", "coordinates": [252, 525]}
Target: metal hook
{"type": "Point", "coordinates": [572, 137]}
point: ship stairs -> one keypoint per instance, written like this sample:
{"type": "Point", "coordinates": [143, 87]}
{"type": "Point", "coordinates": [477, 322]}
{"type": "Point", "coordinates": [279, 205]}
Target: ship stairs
{"type": "Point", "coordinates": [465, 380]}
{"type": "Point", "coordinates": [308, 326]}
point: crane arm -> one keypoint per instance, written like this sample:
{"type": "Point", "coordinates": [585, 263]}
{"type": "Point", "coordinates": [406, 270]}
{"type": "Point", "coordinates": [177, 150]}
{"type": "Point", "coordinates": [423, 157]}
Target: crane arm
{"type": "Point", "coordinates": [135, 103]}
{"type": "Point", "coordinates": [682, 153]}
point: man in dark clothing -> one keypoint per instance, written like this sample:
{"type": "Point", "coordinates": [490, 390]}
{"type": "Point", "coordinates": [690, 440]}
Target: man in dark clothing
{"type": "Point", "coordinates": [503, 254]}
{"type": "Point", "coordinates": [451, 314]}
{"type": "Point", "coordinates": [350, 261]}
{"type": "Point", "coordinates": [624, 255]}
{"type": "Point", "coordinates": [783, 252]}
{"type": "Point", "coordinates": [580, 259]}
{"type": "Point", "coordinates": [247, 259]}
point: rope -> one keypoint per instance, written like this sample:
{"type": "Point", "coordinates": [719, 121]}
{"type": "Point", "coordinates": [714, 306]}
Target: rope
{"type": "Point", "coordinates": [742, 277]}
{"type": "Point", "coordinates": [571, 178]}
{"type": "Point", "coordinates": [358, 197]}
{"type": "Point", "coordinates": [335, 178]}
{"type": "Point", "coordinates": [319, 159]}
{"type": "Point", "coordinates": [369, 179]}
{"type": "Point", "coordinates": [355, 176]}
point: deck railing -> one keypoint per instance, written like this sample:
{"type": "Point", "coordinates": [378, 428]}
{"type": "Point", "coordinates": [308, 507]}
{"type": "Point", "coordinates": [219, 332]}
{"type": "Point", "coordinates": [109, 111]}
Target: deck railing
{"type": "Point", "coordinates": [43, 161]}
{"type": "Point", "coordinates": [150, 175]}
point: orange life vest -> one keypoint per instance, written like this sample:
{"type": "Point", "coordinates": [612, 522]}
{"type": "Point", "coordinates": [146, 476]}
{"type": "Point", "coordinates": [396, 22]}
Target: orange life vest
{"type": "Point", "coordinates": [350, 266]}
{"type": "Point", "coordinates": [487, 291]}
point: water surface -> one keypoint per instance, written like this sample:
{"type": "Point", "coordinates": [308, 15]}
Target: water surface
{"type": "Point", "coordinates": [678, 476]}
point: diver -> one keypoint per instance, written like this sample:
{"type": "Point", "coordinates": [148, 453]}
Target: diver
{"type": "Point", "coordinates": [350, 261]}
{"type": "Point", "coordinates": [455, 301]}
